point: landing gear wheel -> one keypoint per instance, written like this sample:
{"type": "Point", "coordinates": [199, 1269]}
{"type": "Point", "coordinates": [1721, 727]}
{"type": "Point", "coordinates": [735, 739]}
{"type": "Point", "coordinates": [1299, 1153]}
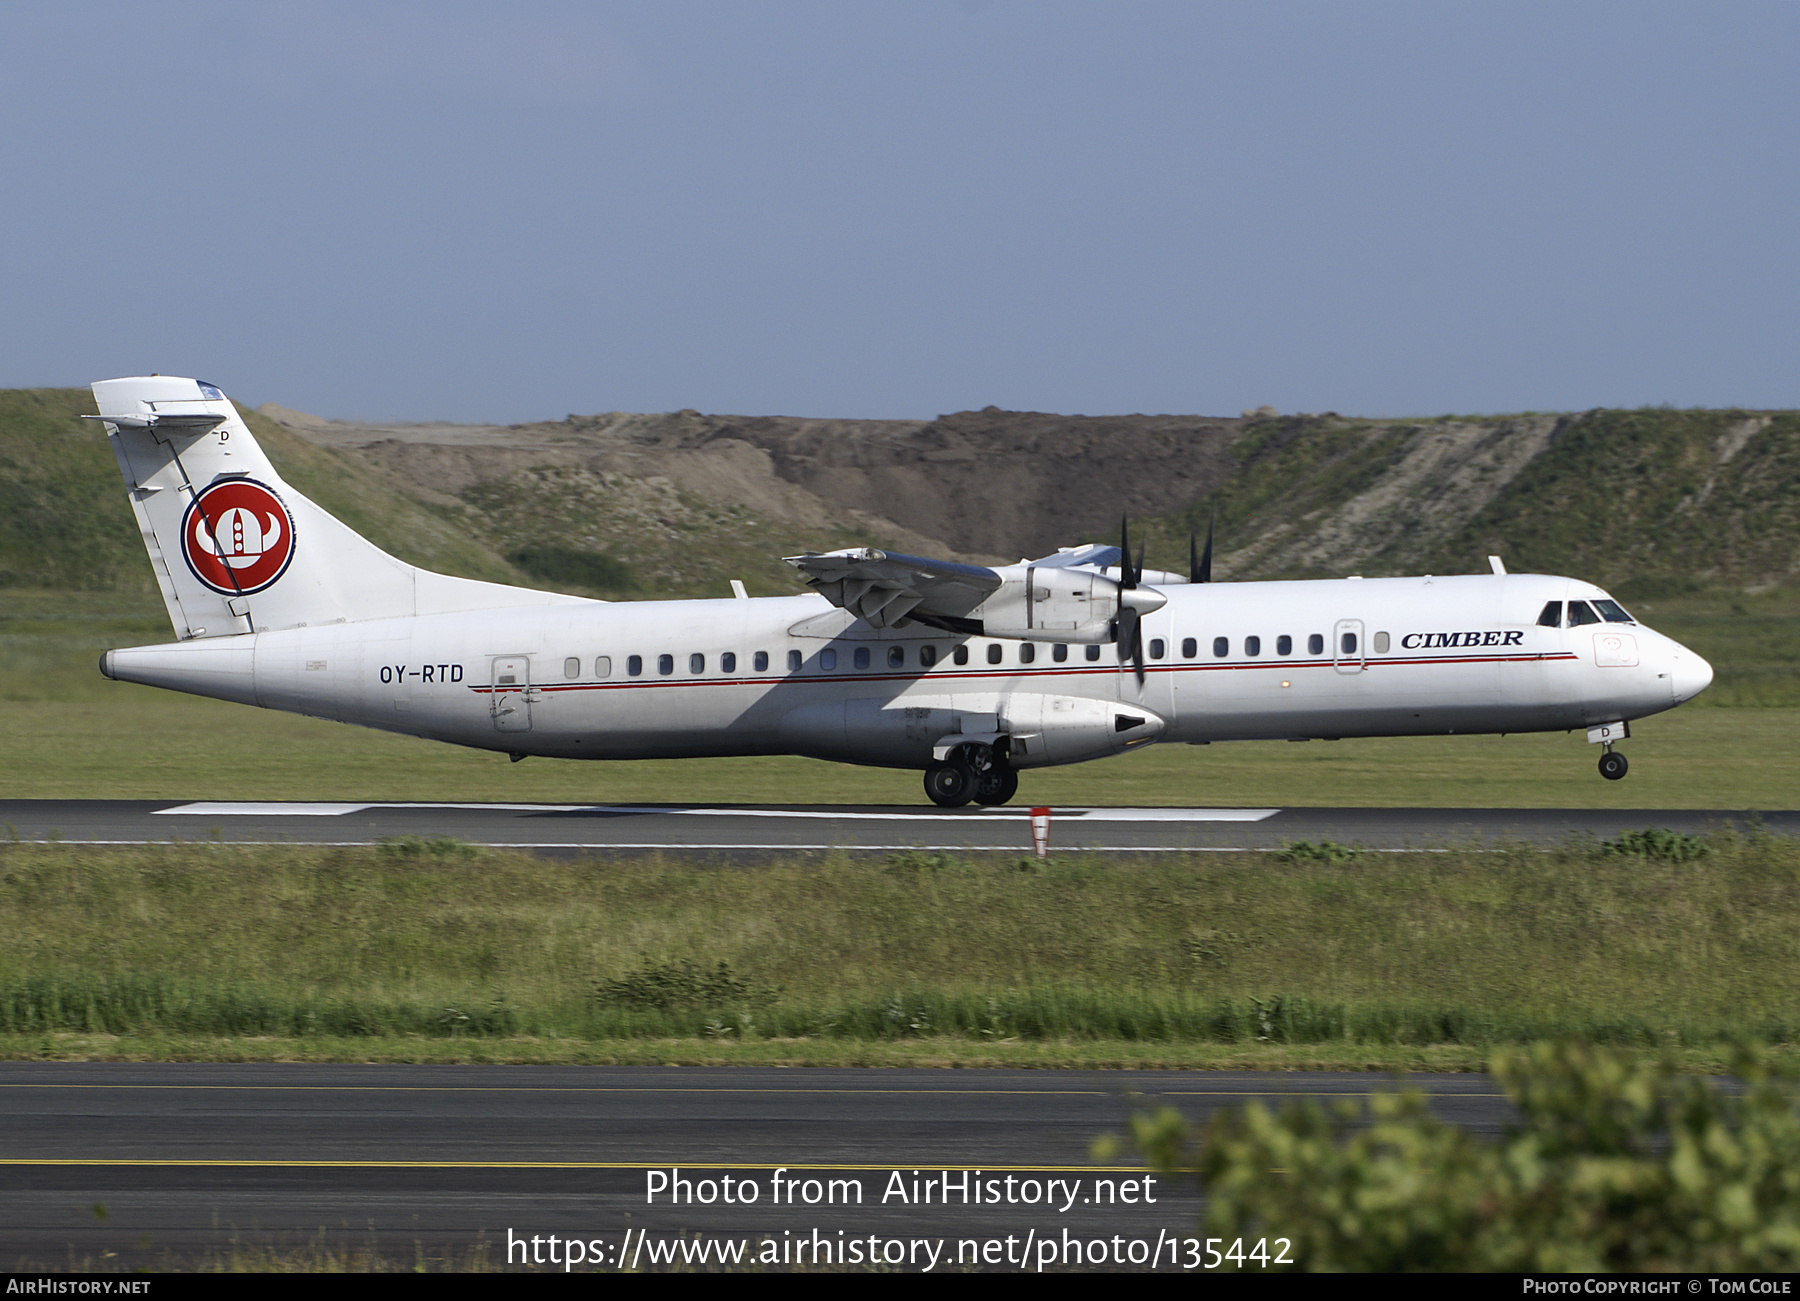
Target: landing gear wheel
{"type": "Point", "coordinates": [1613, 765]}
{"type": "Point", "coordinates": [996, 785]}
{"type": "Point", "coordinates": [950, 785]}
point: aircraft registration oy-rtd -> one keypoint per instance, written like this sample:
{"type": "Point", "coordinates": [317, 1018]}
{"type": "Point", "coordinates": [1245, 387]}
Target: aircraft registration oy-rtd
{"type": "Point", "coordinates": [966, 673]}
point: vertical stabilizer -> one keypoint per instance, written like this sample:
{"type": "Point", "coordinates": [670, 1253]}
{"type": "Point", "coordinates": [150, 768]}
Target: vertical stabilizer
{"type": "Point", "coordinates": [235, 549]}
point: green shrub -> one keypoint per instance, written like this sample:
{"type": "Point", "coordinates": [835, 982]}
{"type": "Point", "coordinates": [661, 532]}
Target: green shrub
{"type": "Point", "coordinates": [1617, 1164]}
{"type": "Point", "coordinates": [672, 985]}
{"type": "Point", "coordinates": [570, 566]}
{"type": "Point", "coordinates": [1326, 851]}
{"type": "Point", "coordinates": [1669, 846]}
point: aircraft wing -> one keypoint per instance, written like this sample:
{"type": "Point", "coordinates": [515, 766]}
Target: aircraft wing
{"type": "Point", "coordinates": [885, 588]}
{"type": "Point", "coordinates": [1094, 554]}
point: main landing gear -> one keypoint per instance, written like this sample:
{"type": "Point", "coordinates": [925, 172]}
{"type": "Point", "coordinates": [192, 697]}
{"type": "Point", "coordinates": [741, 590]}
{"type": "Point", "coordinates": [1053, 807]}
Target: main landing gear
{"type": "Point", "coordinates": [972, 773]}
{"type": "Point", "coordinates": [1613, 765]}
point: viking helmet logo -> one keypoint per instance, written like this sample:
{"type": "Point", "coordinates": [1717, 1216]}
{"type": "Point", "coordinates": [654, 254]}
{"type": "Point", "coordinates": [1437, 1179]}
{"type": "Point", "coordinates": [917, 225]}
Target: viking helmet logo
{"type": "Point", "coordinates": [237, 536]}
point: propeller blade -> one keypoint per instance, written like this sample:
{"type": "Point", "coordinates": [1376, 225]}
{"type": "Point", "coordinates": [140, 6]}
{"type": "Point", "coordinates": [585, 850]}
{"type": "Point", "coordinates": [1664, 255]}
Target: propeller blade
{"type": "Point", "coordinates": [1137, 570]}
{"type": "Point", "coordinates": [1129, 637]}
{"type": "Point", "coordinates": [1127, 579]}
{"type": "Point", "coordinates": [1200, 568]}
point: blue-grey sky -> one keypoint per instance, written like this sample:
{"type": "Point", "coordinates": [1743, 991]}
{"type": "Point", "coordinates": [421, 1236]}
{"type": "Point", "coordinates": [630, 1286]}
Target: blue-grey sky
{"type": "Point", "coordinates": [514, 211]}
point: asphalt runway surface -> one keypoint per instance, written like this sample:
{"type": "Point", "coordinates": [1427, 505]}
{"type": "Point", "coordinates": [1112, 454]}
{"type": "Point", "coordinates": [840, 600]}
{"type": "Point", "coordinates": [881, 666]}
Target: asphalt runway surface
{"type": "Point", "coordinates": [751, 830]}
{"type": "Point", "coordinates": [191, 1162]}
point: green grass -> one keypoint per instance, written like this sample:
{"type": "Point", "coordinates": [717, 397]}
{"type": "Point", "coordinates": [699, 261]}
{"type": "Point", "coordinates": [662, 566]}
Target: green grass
{"type": "Point", "coordinates": [437, 951]}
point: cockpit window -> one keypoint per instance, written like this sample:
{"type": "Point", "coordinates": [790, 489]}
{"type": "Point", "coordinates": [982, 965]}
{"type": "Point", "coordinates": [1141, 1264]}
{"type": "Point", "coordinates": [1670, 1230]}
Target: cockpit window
{"type": "Point", "coordinates": [1581, 612]}
{"type": "Point", "coordinates": [210, 391]}
{"type": "Point", "coordinates": [1612, 612]}
{"type": "Point", "coordinates": [1551, 617]}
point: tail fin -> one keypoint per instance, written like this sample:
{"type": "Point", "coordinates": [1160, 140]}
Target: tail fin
{"type": "Point", "coordinates": [237, 550]}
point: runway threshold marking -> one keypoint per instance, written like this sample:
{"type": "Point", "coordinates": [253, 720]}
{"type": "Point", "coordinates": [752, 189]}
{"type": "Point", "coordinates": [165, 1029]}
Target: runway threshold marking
{"type": "Point", "coordinates": [214, 809]}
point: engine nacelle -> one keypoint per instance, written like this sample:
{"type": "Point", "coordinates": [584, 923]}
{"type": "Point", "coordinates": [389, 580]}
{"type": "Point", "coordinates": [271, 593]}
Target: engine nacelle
{"type": "Point", "coordinates": [1046, 730]}
{"type": "Point", "coordinates": [1050, 604]}
{"type": "Point", "coordinates": [1036, 731]}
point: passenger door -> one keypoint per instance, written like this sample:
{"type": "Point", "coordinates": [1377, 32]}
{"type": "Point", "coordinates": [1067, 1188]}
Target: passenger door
{"type": "Point", "coordinates": [510, 700]}
{"type": "Point", "coordinates": [1347, 648]}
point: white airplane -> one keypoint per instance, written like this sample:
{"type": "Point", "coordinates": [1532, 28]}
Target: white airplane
{"type": "Point", "coordinates": [967, 673]}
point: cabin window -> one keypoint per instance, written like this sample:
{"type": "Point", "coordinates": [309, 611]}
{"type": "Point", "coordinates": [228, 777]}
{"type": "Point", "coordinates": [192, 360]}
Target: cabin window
{"type": "Point", "coordinates": [793, 661]}
{"type": "Point", "coordinates": [1581, 612]}
{"type": "Point", "coordinates": [1221, 647]}
{"type": "Point", "coordinates": [828, 659]}
{"type": "Point", "coordinates": [1611, 611]}
{"type": "Point", "coordinates": [760, 661]}
{"type": "Point", "coordinates": [1349, 643]}
{"type": "Point", "coordinates": [635, 665]}
{"type": "Point", "coordinates": [1315, 644]}
{"type": "Point", "coordinates": [1381, 643]}
{"type": "Point", "coordinates": [1059, 652]}
{"type": "Point", "coordinates": [696, 664]}
{"type": "Point", "coordinates": [603, 666]}
{"type": "Point", "coordinates": [896, 657]}
{"type": "Point", "coordinates": [728, 662]}
{"type": "Point", "coordinates": [993, 652]}
{"type": "Point", "coordinates": [861, 657]}
{"type": "Point", "coordinates": [571, 667]}
{"type": "Point", "coordinates": [1093, 654]}
{"type": "Point", "coordinates": [1253, 645]}
{"type": "Point", "coordinates": [1189, 648]}
{"type": "Point", "coordinates": [665, 664]}
{"type": "Point", "coordinates": [1027, 653]}
{"type": "Point", "coordinates": [1157, 648]}
{"type": "Point", "coordinates": [1551, 615]}
{"type": "Point", "coordinates": [927, 656]}
{"type": "Point", "coordinates": [1284, 645]}
{"type": "Point", "coordinates": [961, 656]}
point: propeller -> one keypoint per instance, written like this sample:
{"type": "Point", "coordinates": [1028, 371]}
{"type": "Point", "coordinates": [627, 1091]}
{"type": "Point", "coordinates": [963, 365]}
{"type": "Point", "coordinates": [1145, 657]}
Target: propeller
{"type": "Point", "coordinates": [1128, 632]}
{"type": "Point", "coordinates": [1200, 566]}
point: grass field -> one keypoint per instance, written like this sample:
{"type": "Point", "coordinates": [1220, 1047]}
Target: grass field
{"type": "Point", "coordinates": [436, 951]}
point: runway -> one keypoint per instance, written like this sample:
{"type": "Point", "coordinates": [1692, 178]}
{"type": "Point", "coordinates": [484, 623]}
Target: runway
{"type": "Point", "coordinates": [190, 1160]}
{"type": "Point", "coordinates": [748, 830]}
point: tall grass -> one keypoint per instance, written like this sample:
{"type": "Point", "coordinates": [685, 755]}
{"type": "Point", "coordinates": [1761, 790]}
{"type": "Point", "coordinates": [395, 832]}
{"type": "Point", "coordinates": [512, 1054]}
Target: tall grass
{"type": "Point", "coordinates": [1648, 941]}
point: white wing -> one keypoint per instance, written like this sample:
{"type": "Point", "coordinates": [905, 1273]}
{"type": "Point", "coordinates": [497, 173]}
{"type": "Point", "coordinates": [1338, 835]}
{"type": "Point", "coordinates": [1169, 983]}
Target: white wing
{"type": "Point", "coordinates": [887, 589]}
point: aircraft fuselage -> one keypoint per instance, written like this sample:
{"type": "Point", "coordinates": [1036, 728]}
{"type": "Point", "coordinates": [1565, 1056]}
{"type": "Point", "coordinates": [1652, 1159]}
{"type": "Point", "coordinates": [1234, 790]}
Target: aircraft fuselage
{"type": "Point", "coordinates": [794, 675]}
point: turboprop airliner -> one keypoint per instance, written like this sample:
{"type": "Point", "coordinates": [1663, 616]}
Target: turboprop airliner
{"type": "Point", "coordinates": [966, 673]}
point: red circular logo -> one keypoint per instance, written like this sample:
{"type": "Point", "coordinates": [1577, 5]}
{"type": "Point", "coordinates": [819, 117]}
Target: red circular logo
{"type": "Point", "coordinates": [237, 537]}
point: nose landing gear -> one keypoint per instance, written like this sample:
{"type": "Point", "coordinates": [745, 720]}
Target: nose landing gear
{"type": "Point", "coordinates": [1613, 765]}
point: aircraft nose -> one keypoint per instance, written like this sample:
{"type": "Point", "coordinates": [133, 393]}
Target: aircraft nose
{"type": "Point", "coordinates": [1689, 674]}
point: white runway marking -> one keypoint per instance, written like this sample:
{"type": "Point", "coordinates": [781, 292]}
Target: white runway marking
{"type": "Point", "coordinates": [227, 809]}
{"type": "Point", "coordinates": [266, 810]}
